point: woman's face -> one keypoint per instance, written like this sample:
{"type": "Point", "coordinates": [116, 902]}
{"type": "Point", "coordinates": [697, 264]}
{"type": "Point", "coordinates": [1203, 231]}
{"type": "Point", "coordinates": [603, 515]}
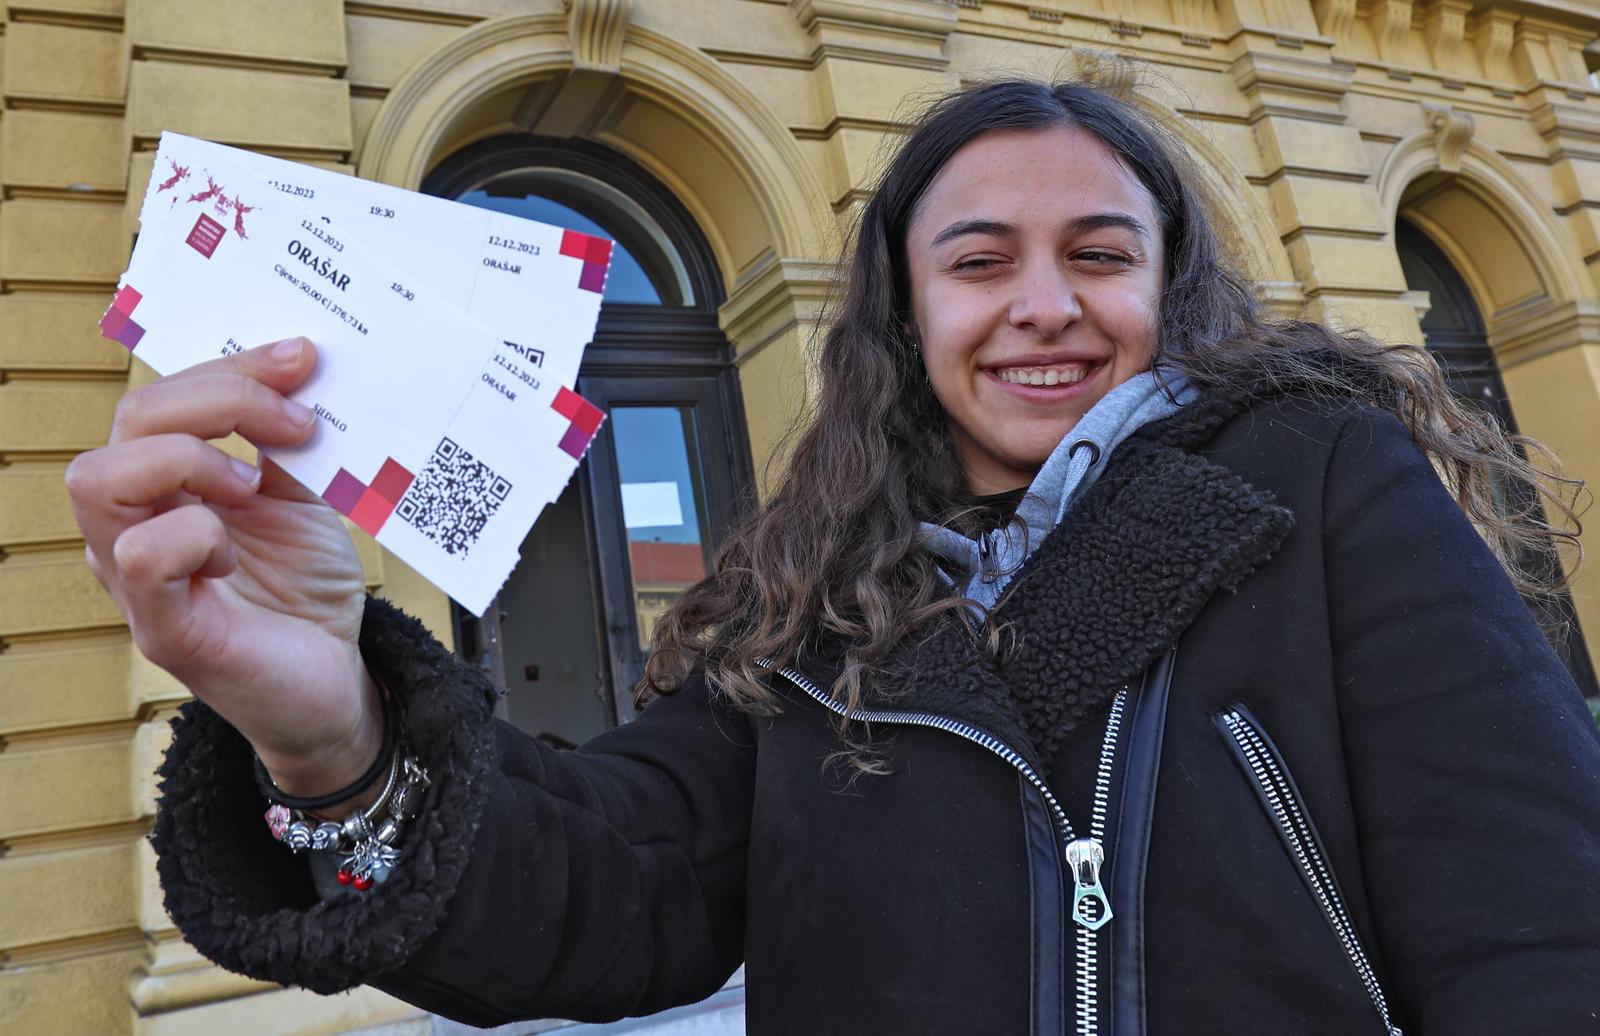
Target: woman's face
{"type": "Point", "coordinates": [1035, 263]}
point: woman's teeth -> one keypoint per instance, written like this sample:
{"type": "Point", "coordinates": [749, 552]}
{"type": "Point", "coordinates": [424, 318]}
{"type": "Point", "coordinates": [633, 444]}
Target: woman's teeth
{"type": "Point", "coordinates": [1067, 375]}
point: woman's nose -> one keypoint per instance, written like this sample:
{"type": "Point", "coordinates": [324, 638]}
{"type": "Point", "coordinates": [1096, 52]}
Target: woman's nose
{"type": "Point", "coordinates": [1046, 302]}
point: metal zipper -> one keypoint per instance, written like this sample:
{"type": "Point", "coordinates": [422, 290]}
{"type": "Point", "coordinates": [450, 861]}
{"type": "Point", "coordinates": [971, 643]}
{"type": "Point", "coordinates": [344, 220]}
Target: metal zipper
{"type": "Point", "coordinates": [1091, 907]}
{"type": "Point", "coordinates": [1295, 828]}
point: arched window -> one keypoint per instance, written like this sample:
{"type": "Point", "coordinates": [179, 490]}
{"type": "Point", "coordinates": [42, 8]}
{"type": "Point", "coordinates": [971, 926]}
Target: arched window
{"type": "Point", "coordinates": [1457, 337]}
{"type": "Point", "coordinates": [662, 482]}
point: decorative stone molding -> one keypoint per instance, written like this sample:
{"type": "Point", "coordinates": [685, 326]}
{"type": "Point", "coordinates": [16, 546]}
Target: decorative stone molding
{"type": "Point", "coordinates": [1572, 130]}
{"type": "Point", "coordinates": [1446, 29]}
{"type": "Point", "coordinates": [1112, 72]}
{"type": "Point", "coordinates": [1551, 54]}
{"type": "Point", "coordinates": [1492, 35]}
{"type": "Point", "coordinates": [1122, 17]}
{"type": "Point", "coordinates": [1238, 211]}
{"type": "Point", "coordinates": [1193, 13]}
{"type": "Point", "coordinates": [1505, 194]}
{"type": "Point", "coordinates": [910, 32]}
{"type": "Point", "coordinates": [597, 29]}
{"type": "Point", "coordinates": [1391, 23]}
{"type": "Point", "coordinates": [1420, 301]}
{"type": "Point", "coordinates": [415, 121]}
{"type": "Point", "coordinates": [1452, 130]}
{"type": "Point", "coordinates": [1336, 19]}
{"type": "Point", "coordinates": [776, 296]}
{"type": "Point", "coordinates": [1282, 14]}
{"type": "Point", "coordinates": [1543, 328]}
{"type": "Point", "coordinates": [1292, 86]}
{"type": "Point", "coordinates": [1283, 300]}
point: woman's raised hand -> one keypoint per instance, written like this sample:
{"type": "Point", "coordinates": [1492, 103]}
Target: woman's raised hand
{"type": "Point", "coordinates": [237, 580]}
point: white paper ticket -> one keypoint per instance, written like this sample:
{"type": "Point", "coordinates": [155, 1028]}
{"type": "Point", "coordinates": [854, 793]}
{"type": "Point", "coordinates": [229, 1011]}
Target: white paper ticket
{"type": "Point", "coordinates": [489, 264]}
{"type": "Point", "coordinates": [226, 260]}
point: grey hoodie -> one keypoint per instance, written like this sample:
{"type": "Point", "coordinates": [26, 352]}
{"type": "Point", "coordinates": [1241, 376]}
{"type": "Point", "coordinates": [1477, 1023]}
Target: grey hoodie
{"type": "Point", "coordinates": [986, 564]}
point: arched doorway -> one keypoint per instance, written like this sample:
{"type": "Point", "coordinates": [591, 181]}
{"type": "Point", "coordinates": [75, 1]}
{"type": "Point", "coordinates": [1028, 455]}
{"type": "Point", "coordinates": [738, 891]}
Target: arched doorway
{"type": "Point", "coordinates": [1455, 333]}
{"type": "Point", "coordinates": [664, 479]}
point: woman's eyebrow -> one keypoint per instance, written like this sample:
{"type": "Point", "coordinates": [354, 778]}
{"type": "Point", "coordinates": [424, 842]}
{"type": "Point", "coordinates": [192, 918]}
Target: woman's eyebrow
{"type": "Point", "coordinates": [960, 228]}
{"type": "Point", "coordinates": [996, 228]}
{"type": "Point", "coordinates": [1109, 220]}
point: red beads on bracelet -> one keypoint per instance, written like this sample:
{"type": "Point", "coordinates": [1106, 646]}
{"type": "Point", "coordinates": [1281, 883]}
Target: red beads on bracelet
{"type": "Point", "coordinates": [348, 877]}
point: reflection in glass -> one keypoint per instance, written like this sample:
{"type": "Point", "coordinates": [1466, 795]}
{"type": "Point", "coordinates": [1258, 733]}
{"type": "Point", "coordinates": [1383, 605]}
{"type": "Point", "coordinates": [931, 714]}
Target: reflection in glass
{"type": "Point", "coordinates": [663, 507]}
{"type": "Point", "coordinates": [645, 266]}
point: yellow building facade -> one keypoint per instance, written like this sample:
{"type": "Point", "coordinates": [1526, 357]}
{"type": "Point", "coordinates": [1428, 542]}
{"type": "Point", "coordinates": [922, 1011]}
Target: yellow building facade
{"type": "Point", "coordinates": [1319, 126]}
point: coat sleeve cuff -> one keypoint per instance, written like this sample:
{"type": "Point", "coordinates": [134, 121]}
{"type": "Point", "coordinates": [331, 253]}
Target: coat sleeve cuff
{"type": "Point", "coordinates": [249, 904]}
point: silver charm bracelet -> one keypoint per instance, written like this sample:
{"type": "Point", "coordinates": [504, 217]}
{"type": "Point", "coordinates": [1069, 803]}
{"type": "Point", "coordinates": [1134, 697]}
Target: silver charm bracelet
{"type": "Point", "coordinates": [366, 838]}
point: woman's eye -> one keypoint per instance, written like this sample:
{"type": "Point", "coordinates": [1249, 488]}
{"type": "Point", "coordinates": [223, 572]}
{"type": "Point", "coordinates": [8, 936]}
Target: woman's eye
{"type": "Point", "coordinates": [975, 263]}
{"type": "Point", "coordinates": [1098, 256]}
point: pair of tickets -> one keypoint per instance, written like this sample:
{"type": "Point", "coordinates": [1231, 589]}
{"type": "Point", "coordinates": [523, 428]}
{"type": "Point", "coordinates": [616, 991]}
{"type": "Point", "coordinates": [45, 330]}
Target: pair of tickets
{"type": "Point", "coordinates": [448, 336]}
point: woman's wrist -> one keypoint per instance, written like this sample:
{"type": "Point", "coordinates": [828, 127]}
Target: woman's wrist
{"type": "Point", "coordinates": [339, 763]}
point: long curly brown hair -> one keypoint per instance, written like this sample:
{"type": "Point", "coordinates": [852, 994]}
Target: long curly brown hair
{"type": "Point", "coordinates": [834, 553]}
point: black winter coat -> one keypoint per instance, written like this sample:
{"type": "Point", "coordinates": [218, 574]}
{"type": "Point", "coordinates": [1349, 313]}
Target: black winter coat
{"type": "Point", "coordinates": [1349, 772]}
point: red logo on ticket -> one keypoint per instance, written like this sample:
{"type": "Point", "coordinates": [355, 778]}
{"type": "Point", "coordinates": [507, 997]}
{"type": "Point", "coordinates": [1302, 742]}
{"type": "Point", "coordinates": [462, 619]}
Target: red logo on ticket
{"type": "Point", "coordinates": [205, 236]}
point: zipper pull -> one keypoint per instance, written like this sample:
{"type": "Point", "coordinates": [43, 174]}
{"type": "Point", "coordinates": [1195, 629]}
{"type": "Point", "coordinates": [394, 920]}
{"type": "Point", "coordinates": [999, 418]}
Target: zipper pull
{"type": "Point", "coordinates": [1090, 907]}
{"type": "Point", "coordinates": [986, 565]}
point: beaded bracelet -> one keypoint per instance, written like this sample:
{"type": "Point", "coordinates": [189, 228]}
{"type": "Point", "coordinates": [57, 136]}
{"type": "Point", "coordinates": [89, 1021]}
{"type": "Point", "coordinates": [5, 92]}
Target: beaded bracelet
{"type": "Point", "coordinates": [365, 840]}
{"type": "Point", "coordinates": [391, 731]}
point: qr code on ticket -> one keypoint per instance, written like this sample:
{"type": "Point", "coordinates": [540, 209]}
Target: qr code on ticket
{"type": "Point", "coordinates": [453, 498]}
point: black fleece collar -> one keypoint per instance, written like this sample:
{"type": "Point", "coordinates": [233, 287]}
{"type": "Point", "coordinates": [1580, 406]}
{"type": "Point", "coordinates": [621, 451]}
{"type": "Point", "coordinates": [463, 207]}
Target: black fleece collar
{"type": "Point", "coordinates": [1108, 590]}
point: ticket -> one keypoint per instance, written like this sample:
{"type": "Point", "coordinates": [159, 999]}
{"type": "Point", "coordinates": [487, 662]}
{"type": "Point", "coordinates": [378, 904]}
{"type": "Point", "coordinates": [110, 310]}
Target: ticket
{"type": "Point", "coordinates": [496, 267]}
{"type": "Point", "coordinates": [227, 260]}
{"type": "Point", "coordinates": [542, 302]}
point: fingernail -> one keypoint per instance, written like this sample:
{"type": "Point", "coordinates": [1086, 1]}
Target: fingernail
{"type": "Point", "coordinates": [288, 349]}
{"type": "Point", "coordinates": [297, 413]}
{"type": "Point", "coordinates": [245, 473]}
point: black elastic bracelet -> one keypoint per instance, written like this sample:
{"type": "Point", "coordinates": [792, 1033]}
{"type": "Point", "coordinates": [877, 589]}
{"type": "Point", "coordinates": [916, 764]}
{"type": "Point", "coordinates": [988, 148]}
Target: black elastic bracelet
{"type": "Point", "coordinates": [380, 766]}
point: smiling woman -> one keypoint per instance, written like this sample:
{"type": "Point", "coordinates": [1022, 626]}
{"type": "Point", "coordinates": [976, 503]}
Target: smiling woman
{"type": "Point", "coordinates": [1109, 659]}
{"type": "Point", "coordinates": [1030, 302]}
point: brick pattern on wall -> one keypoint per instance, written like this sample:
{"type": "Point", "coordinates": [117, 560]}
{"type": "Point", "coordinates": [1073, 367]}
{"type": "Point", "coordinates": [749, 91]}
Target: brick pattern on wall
{"type": "Point", "coordinates": [87, 86]}
{"type": "Point", "coordinates": [69, 822]}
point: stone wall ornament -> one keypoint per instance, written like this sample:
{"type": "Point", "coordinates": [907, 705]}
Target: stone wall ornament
{"type": "Point", "coordinates": [1452, 130]}
{"type": "Point", "coordinates": [1111, 72]}
{"type": "Point", "coordinates": [596, 29]}
{"type": "Point", "coordinates": [1446, 29]}
{"type": "Point", "coordinates": [1283, 14]}
{"type": "Point", "coordinates": [1391, 23]}
{"type": "Point", "coordinates": [1493, 32]}
{"type": "Point", "coordinates": [908, 33]}
{"type": "Point", "coordinates": [1192, 13]}
{"type": "Point", "coordinates": [1336, 19]}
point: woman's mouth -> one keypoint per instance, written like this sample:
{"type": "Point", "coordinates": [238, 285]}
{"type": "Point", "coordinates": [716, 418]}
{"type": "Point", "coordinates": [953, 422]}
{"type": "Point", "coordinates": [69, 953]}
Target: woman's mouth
{"type": "Point", "coordinates": [1056, 374]}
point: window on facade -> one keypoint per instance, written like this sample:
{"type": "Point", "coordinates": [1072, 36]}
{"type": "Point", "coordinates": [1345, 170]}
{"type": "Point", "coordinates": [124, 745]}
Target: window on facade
{"type": "Point", "coordinates": [663, 507]}
{"type": "Point", "coordinates": [665, 477]}
{"type": "Point", "coordinates": [1458, 338]}
{"type": "Point", "coordinates": [645, 265]}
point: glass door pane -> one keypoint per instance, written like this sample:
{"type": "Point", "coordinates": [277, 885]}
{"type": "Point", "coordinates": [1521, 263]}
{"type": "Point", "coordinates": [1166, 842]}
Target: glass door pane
{"type": "Point", "coordinates": [663, 507]}
{"type": "Point", "coordinates": [666, 485]}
